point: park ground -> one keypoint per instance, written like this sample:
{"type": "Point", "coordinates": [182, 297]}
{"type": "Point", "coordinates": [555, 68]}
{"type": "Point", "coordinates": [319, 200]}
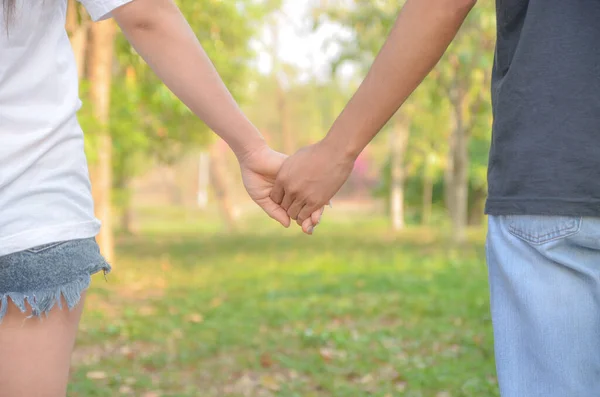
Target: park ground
{"type": "Point", "coordinates": [355, 310]}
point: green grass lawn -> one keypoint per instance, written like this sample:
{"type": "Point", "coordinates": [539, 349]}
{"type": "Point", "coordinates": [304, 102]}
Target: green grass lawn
{"type": "Point", "coordinates": [352, 311]}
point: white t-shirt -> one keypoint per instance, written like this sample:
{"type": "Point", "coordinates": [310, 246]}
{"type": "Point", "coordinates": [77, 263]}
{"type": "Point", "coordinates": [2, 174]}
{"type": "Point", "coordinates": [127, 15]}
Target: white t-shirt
{"type": "Point", "coordinates": [45, 193]}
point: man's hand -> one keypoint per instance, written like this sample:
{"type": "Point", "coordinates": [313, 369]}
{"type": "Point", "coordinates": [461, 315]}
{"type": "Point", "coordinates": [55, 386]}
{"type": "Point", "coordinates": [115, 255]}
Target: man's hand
{"type": "Point", "coordinates": [309, 179]}
{"type": "Point", "coordinates": [259, 170]}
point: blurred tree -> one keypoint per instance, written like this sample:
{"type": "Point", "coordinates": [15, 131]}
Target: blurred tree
{"type": "Point", "coordinates": [93, 50]}
{"type": "Point", "coordinates": [312, 106]}
{"type": "Point", "coordinates": [281, 78]}
{"type": "Point", "coordinates": [100, 73]}
{"type": "Point", "coordinates": [398, 144]}
{"type": "Point", "coordinates": [220, 180]}
{"type": "Point", "coordinates": [464, 76]}
{"type": "Point", "coordinates": [369, 23]}
{"type": "Point", "coordinates": [78, 26]}
{"type": "Point", "coordinates": [148, 123]}
{"type": "Point", "coordinates": [428, 144]}
{"type": "Point", "coordinates": [454, 97]}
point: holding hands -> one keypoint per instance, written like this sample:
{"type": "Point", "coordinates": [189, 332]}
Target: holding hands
{"type": "Point", "coordinates": [298, 187]}
{"type": "Point", "coordinates": [309, 179]}
{"type": "Point", "coordinates": [259, 170]}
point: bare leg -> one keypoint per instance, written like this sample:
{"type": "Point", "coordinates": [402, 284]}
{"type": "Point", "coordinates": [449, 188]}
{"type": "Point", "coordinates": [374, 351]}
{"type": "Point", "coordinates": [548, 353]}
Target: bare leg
{"type": "Point", "coordinates": [35, 354]}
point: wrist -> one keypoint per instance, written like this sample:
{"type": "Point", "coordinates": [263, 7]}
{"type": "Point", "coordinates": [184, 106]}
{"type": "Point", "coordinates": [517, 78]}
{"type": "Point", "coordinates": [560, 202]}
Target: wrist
{"type": "Point", "coordinates": [246, 149]}
{"type": "Point", "coordinates": [340, 145]}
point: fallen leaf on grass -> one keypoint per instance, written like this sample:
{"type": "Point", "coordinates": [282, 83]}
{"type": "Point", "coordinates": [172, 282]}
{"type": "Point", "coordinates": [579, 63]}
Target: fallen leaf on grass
{"type": "Point", "coordinates": [96, 375]}
{"type": "Point", "coordinates": [389, 373]}
{"type": "Point", "coordinates": [128, 352]}
{"type": "Point", "coordinates": [367, 379]}
{"type": "Point", "coordinates": [177, 334]}
{"type": "Point", "coordinates": [216, 302]}
{"type": "Point", "coordinates": [195, 318]}
{"type": "Point", "coordinates": [401, 387]}
{"type": "Point", "coordinates": [326, 354]}
{"type": "Point", "coordinates": [146, 311]}
{"type": "Point", "coordinates": [266, 361]}
{"type": "Point", "coordinates": [245, 385]}
{"type": "Point", "coordinates": [269, 382]}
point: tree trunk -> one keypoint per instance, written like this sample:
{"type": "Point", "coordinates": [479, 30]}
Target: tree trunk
{"type": "Point", "coordinates": [427, 194]}
{"type": "Point", "coordinates": [122, 182]}
{"type": "Point", "coordinates": [287, 138]}
{"type": "Point", "coordinates": [449, 177]}
{"type": "Point", "coordinates": [203, 179]}
{"type": "Point", "coordinates": [477, 207]}
{"type": "Point", "coordinates": [100, 73]}
{"type": "Point", "coordinates": [218, 177]}
{"type": "Point", "coordinates": [127, 220]}
{"type": "Point", "coordinates": [79, 33]}
{"type": "Point", "coordinates": [459, 187]}
{"type": "Point", "coordinates": [399, 142]}
{"type": "Point", "coordinates": [284, 120]}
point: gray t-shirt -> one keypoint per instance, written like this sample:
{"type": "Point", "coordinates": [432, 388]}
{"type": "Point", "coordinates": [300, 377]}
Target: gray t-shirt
{"type": "Point", "coordinates": [545, 153]}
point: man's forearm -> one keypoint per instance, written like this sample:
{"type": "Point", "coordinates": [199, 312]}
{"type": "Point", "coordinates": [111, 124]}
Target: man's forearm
{"type": "Point", "coordinates": [162, 36]}
{"type": "Point", "coordinates": [422, 33]}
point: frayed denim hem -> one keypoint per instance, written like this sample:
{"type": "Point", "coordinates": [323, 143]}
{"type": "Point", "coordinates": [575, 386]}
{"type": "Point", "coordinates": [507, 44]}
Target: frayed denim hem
{"type": "Point", "coordinates": [43, 301]}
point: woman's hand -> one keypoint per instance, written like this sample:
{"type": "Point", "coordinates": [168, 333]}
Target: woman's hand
{"type": "Point", "coordinates": [259, 171]}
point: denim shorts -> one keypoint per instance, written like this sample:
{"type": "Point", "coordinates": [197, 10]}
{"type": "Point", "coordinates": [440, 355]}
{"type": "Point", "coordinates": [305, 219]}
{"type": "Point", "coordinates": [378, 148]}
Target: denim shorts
{"type": "Point", "coordinates": [40, 276]}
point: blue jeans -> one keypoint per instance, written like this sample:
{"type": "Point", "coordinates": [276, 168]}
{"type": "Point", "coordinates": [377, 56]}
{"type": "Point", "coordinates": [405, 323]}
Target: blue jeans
{"type": "Point", "coordinates": [545, 297]}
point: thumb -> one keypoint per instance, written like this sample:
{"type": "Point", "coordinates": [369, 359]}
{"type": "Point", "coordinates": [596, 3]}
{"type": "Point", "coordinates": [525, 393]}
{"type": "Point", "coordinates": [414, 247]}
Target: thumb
{"type": "Point", "coordinates": [277, 193]}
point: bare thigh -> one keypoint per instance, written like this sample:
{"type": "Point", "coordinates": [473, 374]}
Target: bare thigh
{"type": "Point", "coordinates": [35, 354]}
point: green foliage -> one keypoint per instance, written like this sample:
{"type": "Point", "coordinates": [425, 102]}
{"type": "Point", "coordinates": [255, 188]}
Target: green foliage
{"type": "Point", "coordinates": [148, 124]}
{"type": "Point", "coordinates": [168, 127]}
{"type": "Point", "coordinates": [369, 23]}
{"type": "Point", "coordinates": [312, 108]}
{"type": "Point", "coordinates": [465, 68]}
{"type": "Point", "coordinates": [190, 311]}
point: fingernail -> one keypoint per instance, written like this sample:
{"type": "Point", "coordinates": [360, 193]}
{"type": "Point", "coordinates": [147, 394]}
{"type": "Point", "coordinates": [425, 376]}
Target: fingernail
{"type": "Point", "coordinates": [330, 204]}
{"type": "Point", "coordinates": [311, 230]}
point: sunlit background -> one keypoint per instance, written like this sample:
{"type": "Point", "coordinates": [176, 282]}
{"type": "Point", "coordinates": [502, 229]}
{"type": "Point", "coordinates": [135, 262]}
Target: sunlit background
{"type": "Point", "coordinates": [208, 296]}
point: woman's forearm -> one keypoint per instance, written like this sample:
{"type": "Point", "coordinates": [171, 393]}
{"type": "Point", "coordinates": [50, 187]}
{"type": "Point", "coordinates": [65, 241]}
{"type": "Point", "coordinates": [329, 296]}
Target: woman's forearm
{"type": "Point", "coordinates": [161, 35]}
